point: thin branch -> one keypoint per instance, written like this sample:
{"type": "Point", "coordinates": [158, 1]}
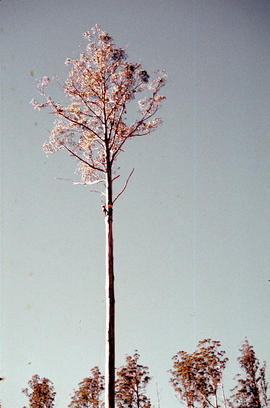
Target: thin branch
{"type": "Point", "coordinates": [79, 182]}
{"type": "Point", "coordinates": [63, 179]}
{"type": "Point", "coordinates": [117, 125]}
{"type": "Point", "coordinates": [89, 184]}
{"type": "Point", "coordinates": [82, 160]}
{"type": "Point", "coordinates": [97, 191]}
{"type": "Point", "coordinates": [131, 133]}
{"type": "Point", "coordinates": [223, 395]}
{"type": "Point", "coordinates": [84, 101]}
{"type": "Point", "coordinates": [125, 186]}
{"type": "Point", "coordinates": [92, 89]}
{"type": "Point", "coordinates": [158, 398]}
{"type": "Point", "coordinates": [207, 400]}
{"type": "Point", "coordinates": [121, 102]}
{"type": "Point", "coordinates": [60, 113]}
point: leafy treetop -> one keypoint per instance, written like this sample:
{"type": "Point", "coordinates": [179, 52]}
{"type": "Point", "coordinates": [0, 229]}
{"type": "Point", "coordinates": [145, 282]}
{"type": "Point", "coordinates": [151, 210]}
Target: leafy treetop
{"type": "Point", "coordinates": [94, 126]}
{"type": "Point", "coordinates": [130, 386]}
{"type": "Point", "coordinates": [40, 393]}
{"type": "Point", "coordinates": [90, 391]}
{"type": "Point", "coordinates": [251, 388]}
{"type": "Point", "coordinates": [196, 377]}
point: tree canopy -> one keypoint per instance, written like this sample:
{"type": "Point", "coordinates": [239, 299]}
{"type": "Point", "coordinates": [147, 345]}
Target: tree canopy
{"type": "Point", "coordinates": [197, 377]}
{"type": "Point", "coordinates": [94, 127]}
{"type": "Point", "coordinates": [130, 386]}
{"type": "Point", "coordinates": [251, 388]}
{"type": "Point", "coordinates": [40, 393]}
{"type": "Point", "coordinates": [90, 391]}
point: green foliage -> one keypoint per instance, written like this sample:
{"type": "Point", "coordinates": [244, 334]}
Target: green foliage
{"type": "Point", "coordinates": [41, 393]}
{"type": "Point", "coordinates": [131, 384]}
{"type": "Point", "coordinates": [90, 391]}
{"type": "Point", "coordinates": [251, 388]}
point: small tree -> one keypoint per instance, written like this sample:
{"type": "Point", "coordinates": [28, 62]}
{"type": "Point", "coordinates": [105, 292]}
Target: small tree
{"type": "Point", "coordinates": [251, 389]}
{"type": "Point", "coordinates": [197, 377]}
{"type": "Point", "coordinates": [93, 129]}
{"type": "Point", "coordinates": [90, 391]}
{"type": "Point", "coordinates": [41, 393]}
{"type": "Point", "coordinates": [132, 379]}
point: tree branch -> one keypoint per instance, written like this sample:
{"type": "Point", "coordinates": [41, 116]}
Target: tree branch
{"type": "Point", "coordinates": [82, 160]}
{"type": "Point", "coordinates": [59, 112]}
{"type": "Point", "coordinates": [89, 184]}
{"type": "Point", "coordinates": [117, 125]}
{"type": "Point", "coordinates": [88, 107]}
{"type": "Point", "coordinates": [125, 186]}
{"type": "Point", "coordinates": [131, 134]}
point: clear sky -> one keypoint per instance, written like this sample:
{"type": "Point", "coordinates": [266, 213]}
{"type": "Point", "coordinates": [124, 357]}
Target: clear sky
{"type": "Point", "coordinates": [192, 230]}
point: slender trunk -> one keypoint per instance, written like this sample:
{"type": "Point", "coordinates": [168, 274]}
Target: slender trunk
{"type": "Point", "coordinates": [223, 396]}
{"type": "Point", "coordinates": [137, 394]}
{"type": "Point", "coordinates": [216, 399]}
{"type": "Point", "coordinates": [110, 301]}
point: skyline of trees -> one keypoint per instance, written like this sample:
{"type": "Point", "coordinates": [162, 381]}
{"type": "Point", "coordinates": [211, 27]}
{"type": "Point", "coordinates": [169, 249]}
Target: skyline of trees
{"type": "Point", "coordinates": [197, 379]}
{"type": "Point", "coordinates": [130, 387]}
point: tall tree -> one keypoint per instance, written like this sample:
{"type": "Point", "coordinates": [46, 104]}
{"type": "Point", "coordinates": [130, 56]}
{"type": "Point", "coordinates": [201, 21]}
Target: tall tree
{"type": "Point", "coordinates": [197, 377]}
{"type": "Point", "coordinates": [132, 379]}
{"type": "Point", "coordinates": [94, 128]}
{"type": "Point", "coordinates": [90, 391]}
{"type": "Point", "coordinates": [41, 392]}
{"type": "Point", "coordinates": [251, 388]}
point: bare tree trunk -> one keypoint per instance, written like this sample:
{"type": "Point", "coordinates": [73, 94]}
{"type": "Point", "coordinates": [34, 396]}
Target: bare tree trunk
{"type": "Point", "coordinates": [216, 400]}
{"type": "Point", "coordinates": [110, 300]}
{"type": "Point", "coordinates": [223, 395]}
{"type": "Point", "coordinates": [137, 393]}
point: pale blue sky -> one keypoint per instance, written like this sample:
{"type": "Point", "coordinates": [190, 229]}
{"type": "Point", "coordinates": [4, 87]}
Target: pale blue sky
{"type": "Point", "coordinates": [191, 231]}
